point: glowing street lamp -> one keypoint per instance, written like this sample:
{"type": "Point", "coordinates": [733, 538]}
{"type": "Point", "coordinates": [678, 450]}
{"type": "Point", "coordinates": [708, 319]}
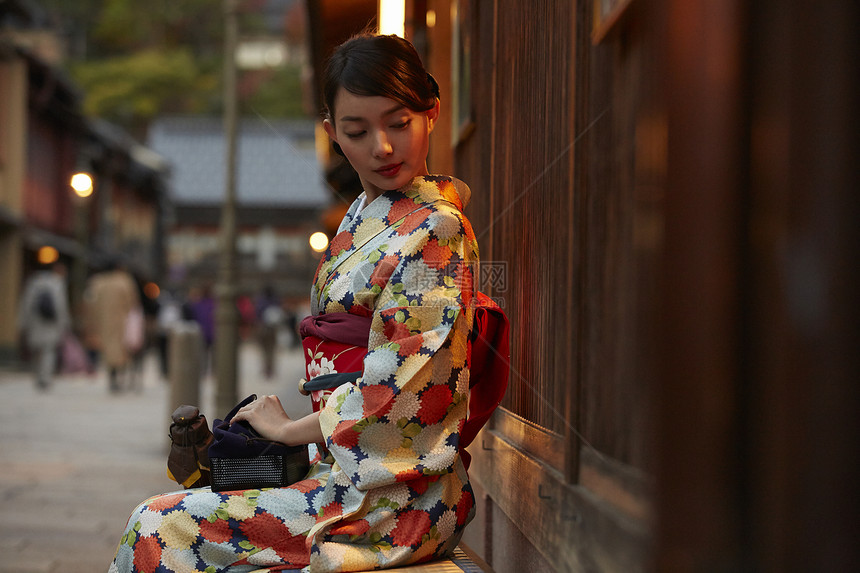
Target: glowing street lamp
{"type": "Point", "coordinates": [318, 241]}
{"type": "Point", "coordinates": [82, 184]}
{"type": "Point", "coordinates": [47, 255]}
{"type": "Point", "coordinates": [392, 17]}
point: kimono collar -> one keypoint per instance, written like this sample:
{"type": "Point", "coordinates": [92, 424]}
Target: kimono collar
{"type": "Point", "coordinates": [431, 188]}
{"type": "Point", "coordinates": [357, 228]}
{"type": "Point", "coordinates": [422, 190]}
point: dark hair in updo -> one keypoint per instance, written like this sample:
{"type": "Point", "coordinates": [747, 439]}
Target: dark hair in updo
{"type": "Point", "coordinates": [386, 66]}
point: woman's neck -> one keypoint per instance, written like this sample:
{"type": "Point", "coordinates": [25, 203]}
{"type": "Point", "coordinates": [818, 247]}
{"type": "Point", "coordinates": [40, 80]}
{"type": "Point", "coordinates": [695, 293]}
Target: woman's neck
{"type": "Point", "coordinates": [371, 194]}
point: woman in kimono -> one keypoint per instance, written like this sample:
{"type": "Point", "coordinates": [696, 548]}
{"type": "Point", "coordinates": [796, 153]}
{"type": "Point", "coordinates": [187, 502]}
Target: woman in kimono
{"type": "Point", "coordinates": [388, 486]}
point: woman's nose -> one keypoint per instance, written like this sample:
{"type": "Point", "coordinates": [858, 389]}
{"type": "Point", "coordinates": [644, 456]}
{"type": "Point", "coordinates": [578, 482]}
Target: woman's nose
{"type": "Point", "coordinates": [381, 147]}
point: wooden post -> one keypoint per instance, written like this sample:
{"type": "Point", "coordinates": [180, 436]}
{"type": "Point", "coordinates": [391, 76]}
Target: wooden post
{"type": "Point", "coordinates": [226, 314]}
{"type": "Point", "coordinates": [185, 360]}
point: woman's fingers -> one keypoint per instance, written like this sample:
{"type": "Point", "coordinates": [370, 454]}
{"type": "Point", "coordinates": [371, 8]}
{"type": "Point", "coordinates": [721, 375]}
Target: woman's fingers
{"type": "Point", "coordinates": [266, 415]}
{"type": "Point", "coordinates": [261, 404]}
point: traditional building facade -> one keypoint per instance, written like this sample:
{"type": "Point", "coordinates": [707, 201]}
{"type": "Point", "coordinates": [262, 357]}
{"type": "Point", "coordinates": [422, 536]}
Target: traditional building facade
{"type": "Point", "coordinates": [280, 196]}
{"type": "Point", "coordinates": [44, 140]}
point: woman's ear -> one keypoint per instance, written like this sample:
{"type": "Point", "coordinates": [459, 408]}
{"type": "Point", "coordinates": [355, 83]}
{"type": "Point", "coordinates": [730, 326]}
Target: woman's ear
{"type": "Point", "coordinates": [433, 115]}
{"type": "Point", "coordinates": [328, 126]}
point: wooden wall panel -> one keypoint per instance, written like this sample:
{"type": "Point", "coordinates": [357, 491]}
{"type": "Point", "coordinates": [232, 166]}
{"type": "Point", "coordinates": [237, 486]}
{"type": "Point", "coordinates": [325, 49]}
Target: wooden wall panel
{"type": "Point", "coordinates": [620, 193]}
{"type": "Point", "coordinates": [524, 204]}
{"type": "Point", "coordinates": [566, 198]}
{"type": "Point", "coordinates": [559, 197]}
{"type": "Point", "coordinates": [800, 503]}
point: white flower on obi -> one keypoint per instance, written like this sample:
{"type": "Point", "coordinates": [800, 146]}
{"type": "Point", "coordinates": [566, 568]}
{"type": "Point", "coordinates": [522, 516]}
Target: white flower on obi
{"type": "Point", "coordinates": [324, 366]}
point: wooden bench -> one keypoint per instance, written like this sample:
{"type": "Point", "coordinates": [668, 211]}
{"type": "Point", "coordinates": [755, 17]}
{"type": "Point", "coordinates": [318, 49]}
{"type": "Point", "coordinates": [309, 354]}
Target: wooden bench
{"type": "Point", "coordinates": [464, 560]}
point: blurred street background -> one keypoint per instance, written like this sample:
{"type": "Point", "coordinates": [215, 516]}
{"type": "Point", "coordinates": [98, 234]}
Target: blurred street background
{"type": "Point", "coordinates": [77, 459]}
{"type": "Point", "coordinates": [115, 182]}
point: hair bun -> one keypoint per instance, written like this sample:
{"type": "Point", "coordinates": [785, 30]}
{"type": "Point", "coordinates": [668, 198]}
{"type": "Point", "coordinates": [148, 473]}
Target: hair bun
{"type": "Point", "coordinates": [434, 86]}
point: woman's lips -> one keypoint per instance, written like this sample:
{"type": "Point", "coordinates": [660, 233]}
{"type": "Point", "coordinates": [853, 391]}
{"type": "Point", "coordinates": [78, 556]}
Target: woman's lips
{"type": "Point", "coordinates": [389, 170]}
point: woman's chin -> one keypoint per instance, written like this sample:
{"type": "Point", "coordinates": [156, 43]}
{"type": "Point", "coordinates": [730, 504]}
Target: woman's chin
{"type": "Point", "coordinates": [393, 183]}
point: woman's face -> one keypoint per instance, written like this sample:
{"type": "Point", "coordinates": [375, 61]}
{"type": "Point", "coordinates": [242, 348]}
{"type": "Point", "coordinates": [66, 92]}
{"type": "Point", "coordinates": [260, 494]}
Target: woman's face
{"type": "Point", "coordinates": [385, 142]}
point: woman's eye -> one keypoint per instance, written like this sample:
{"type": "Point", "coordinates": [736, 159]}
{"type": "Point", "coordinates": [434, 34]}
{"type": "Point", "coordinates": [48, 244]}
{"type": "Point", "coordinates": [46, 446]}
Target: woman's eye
{"type": "Point", "coordinates": [402, 124]}
{"type": "Point", "coordinates": [355, 135]}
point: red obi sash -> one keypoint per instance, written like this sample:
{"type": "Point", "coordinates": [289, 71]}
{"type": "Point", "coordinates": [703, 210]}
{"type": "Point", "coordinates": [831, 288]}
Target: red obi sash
{"type": "Point", "coordinates": [489, 366]}
{"type": "Point", "coordinates": [335, 345]}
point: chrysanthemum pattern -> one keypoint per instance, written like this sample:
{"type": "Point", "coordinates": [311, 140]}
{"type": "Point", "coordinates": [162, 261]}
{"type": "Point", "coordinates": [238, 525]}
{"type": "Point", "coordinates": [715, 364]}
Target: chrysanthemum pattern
{"type": "Point", "coordinates": [390, 489]}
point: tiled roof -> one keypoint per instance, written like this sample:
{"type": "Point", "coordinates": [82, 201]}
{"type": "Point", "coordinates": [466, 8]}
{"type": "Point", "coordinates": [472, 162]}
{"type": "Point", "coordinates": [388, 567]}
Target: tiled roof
{"type": "Point", "coordinates": [276, 161]}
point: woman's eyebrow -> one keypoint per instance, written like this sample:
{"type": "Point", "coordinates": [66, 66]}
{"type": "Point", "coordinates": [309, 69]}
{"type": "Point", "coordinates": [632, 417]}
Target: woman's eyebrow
{"type": "Point", "coordinates": [385, 113]}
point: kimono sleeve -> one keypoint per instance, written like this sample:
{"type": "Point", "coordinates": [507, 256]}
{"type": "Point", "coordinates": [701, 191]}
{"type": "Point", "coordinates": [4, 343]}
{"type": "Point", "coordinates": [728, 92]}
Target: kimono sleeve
{"type": "Point", "coordinates": [402, 419]}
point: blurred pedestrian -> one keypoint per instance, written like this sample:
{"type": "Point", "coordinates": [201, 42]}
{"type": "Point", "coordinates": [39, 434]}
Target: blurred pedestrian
{"type": "Point", "coordinates": [43, 319]}
{"type": "Point", "coordinates": [247, 315]}
{"type": "Point", "coordinates": [140, 334]}
{"type": "Point", "coordinates": [270, 319]}
{"type": "Point", "coordinates": [116, 319]}
{"type": "Point", "coordinates": [293, 312]}
{"type": "Point", "coordinates": [201, 308]}
{"type": "Point", "coordinates": [169, 315]}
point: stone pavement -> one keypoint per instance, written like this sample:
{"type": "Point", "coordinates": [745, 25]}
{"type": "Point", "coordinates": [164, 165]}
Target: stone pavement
{"type": "Point", "coordinates": [76, 460]}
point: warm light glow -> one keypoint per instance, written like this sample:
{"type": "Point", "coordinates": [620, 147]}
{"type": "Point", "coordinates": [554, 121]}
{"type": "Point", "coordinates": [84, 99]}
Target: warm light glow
{"type": "Point", "coordinates": [392, 17]}
{"type": "Point", "coordinates": [318, 241]}
{"type": "Point", "coordinates": [82, 183]}
{"type": "Point", "coordinates": [151, 290]}
{"type": "Point", "coordinates": [47, 255]}
{"type": "Point", "coordinates": [431, 18]}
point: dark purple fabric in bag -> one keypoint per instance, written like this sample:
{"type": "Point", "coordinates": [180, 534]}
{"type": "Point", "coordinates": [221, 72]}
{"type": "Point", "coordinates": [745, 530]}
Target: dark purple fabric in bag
{"type": "Point", "coordinates": [239, 440]}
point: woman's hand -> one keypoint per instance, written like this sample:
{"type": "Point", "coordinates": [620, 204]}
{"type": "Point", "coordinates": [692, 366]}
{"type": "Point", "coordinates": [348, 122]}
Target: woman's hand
{"type": "Point", "coordinates": [268, 418]}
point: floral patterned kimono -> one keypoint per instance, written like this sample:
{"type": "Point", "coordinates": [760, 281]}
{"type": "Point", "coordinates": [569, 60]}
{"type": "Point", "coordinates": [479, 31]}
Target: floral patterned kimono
{"type": "Point", "coordinates": [389, 486]}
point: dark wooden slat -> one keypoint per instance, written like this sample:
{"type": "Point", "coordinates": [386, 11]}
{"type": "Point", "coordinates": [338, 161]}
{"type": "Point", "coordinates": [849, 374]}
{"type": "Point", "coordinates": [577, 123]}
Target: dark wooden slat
{"type": "Point", "coordinates": [571, 527]}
